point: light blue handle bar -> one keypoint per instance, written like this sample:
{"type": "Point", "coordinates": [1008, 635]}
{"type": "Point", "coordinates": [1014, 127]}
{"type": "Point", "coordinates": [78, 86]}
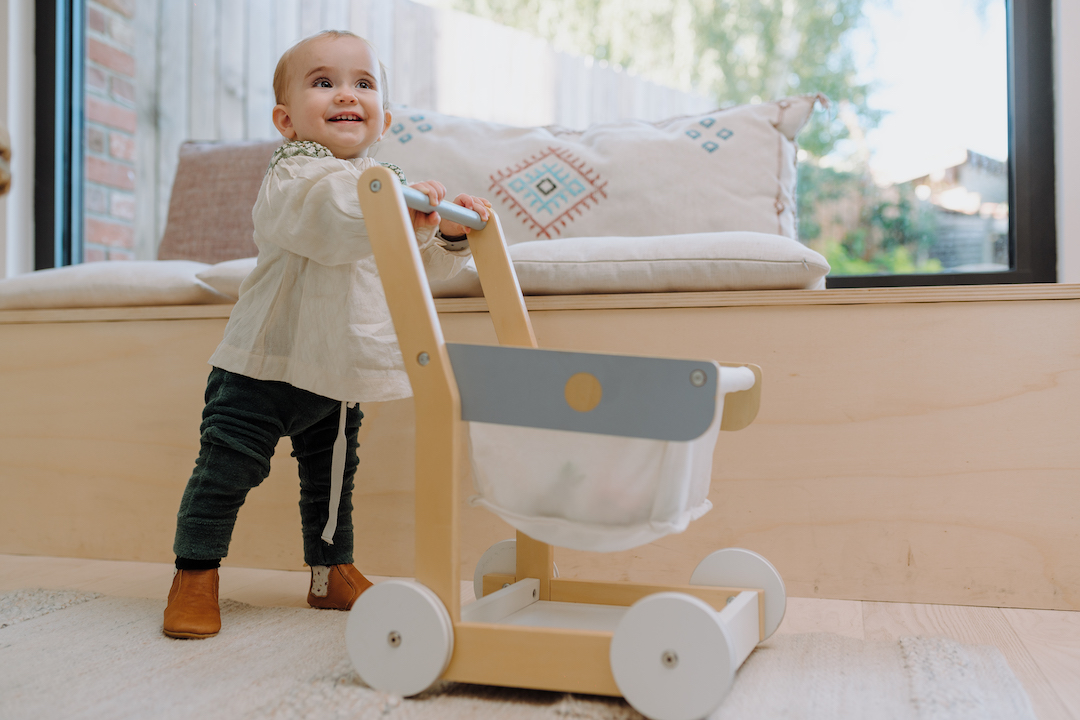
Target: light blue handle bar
{"type": "Point", "coordinates": [463, 216]}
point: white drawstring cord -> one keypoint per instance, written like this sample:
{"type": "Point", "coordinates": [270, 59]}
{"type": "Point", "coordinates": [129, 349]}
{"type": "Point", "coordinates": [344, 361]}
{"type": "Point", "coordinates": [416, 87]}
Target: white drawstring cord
{"type": "Point", "coordinates": [337, 476]}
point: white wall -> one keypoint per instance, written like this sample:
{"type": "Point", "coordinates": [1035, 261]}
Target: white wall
{"type": "Point", "coordinates": [1067, 147]}
{"type": "Point", "coordinates": [17, 114]}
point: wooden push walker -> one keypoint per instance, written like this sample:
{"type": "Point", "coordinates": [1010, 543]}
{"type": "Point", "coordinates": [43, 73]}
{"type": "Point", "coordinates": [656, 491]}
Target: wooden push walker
{"type": "Point", "coordinates": [671, 651]}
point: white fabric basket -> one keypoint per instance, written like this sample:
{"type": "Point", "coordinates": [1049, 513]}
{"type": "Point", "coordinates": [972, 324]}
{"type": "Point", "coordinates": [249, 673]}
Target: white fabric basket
{"type": "Point", "coordinates": [601, 493]}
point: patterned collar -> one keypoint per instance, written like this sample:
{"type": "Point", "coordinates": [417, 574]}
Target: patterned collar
{"type": "Point", "coordinates": [310, 148]}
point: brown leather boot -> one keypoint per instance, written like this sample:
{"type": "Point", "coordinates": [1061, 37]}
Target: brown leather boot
{"type": "Point", "coordinates": [336, 587]}
{"type": "Point", "coordinates": [193, 610]}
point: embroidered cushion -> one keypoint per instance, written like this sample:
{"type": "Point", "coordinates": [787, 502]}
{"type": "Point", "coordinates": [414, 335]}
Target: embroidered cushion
{"type": "Point", "coordinates": [726, 170]}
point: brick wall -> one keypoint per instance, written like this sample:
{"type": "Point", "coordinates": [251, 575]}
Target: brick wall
{"type": "Point", "coordinates": [109, 187]}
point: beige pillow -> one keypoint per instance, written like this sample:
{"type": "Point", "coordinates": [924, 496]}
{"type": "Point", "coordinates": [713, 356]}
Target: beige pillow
{"type": "Point", "coordinates": [225, 277]}
{"type": "Point", "coordinates": [671, 263]}
{"type": "Point", "coordinates": [696, 262]}
{"type": "Point", "coordinates": [110, 284]}
{"type": "Point", "coordinates": [212, 196]}
{"type": "Point", "coordinates": [726, 170]}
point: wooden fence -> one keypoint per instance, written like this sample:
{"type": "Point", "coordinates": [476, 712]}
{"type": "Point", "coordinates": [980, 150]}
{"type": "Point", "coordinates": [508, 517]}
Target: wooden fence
{"type": "Point", "coordinates": [204, 72]}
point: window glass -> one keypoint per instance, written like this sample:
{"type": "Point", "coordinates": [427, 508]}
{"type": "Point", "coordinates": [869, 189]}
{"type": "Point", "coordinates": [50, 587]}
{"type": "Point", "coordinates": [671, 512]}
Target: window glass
{"type": "Point", "coordinates": [908, 170]}
{"type": "Point", "coordinates": [920, 184]}
{"type": "Point", "coordinates": [906, 173]}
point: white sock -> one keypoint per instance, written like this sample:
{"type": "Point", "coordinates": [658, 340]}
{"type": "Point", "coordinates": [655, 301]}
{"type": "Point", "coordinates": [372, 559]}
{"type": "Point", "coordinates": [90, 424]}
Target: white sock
{"type": "Point", "coordinates": [320, 580]}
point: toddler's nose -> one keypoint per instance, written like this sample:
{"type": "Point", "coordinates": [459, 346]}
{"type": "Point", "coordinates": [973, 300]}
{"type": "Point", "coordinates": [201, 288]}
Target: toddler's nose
{"type": "Point", "coordinates": [347, 96]}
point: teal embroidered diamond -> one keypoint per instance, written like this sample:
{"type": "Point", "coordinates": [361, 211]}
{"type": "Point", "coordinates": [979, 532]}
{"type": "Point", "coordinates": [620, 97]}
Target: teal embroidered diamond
{"type": "Point", "coordinates": [725, 134]}
{"type": "Point", "coordinates": [549, 190]}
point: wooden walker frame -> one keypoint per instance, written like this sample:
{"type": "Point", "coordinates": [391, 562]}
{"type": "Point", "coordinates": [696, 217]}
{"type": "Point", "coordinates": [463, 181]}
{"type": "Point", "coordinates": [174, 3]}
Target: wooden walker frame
{"type": "Point", "coordinates": [485, 648]}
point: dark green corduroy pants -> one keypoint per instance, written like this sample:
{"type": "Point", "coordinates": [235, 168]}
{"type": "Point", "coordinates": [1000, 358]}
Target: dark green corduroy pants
{"type": "Point", "coordinates": [241, 424]}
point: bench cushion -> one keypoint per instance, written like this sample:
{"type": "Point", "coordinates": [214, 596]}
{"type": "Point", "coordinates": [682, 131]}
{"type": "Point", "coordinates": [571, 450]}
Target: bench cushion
{"type": "Point", "coordinates": [698, 262]}
{"type": "Point", "coordinates": [110, 284]}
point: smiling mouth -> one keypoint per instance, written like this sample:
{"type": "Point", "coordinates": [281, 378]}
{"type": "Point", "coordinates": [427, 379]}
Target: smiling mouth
{"type": "Point", "coordinates": [346, 118]}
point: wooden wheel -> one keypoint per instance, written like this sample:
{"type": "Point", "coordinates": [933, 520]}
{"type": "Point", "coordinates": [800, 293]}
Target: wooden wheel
{"type": "Point", "coordinates": [399, 637]}
{"type": "Point", "coordinates": [671, 657]}
{"type": "Point", "coordinates": [738, 567]}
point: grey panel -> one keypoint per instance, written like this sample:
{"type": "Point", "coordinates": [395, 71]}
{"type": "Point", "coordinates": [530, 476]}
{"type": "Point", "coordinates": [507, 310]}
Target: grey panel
{"type": "Point", "coordinates": [642, 397]}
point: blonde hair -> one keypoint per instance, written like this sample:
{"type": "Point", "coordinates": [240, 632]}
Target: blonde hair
{"type": "Point", "coordinates": [281, 72]}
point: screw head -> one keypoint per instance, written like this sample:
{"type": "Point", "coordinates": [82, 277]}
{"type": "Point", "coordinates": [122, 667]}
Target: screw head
{"type": "Point", "coordinates": [376, 186]}
{"type": "Point", "coordinates": [669, 659]}
{"type": "Point", "coordinates": [698, 378]}
{"type": "Point", "coordinates": [393, 639]}
{"type": "Point", "coordinates": [731, 599]}
{"type": "Point", "coordinates": [423, 358]}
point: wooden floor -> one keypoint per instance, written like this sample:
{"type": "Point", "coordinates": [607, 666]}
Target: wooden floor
{"type": "Point", "coordinates": [1041, 646]}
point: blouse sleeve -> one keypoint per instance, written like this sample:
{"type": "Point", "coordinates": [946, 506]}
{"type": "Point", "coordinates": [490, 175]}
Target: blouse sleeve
{"type": "Point", "coordinates": [308, 206]}
{"type": "Point", "coordinates": [442, 260]}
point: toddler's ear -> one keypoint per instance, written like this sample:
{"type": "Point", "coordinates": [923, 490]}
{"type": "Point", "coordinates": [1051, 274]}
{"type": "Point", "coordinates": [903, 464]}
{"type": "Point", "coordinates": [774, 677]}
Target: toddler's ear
{"type": "Point", "coordinates": [386, 124]}
{"type": "Point", "coordinates": [283, 122]}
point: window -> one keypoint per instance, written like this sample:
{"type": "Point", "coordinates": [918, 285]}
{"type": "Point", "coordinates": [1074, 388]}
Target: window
{"type": "Point", "coordinates": [86, 54]}
{"type": "Point", "coordinates": [1015, 193]}
{"type": "Point", "coordinates": [58, 134]}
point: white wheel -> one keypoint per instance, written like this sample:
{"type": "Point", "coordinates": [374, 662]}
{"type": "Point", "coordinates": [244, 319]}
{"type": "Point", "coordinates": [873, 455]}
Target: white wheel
{"type": "Point", "coordinates": [400, 637]}
{"type": "Point", "coordinates": [738, 567]}
{"type": "Point", "coordinates": [671, 657]}
{"type": "Point", "coordinates": [499, 558]}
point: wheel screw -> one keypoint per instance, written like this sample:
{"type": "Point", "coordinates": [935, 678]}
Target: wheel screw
{"type": "Point", "coordinates": [731, 599]}
{"type": "Point", "coordinates": [423, 358]}
{"type": "Point", "coordinates": [393, 639]}
{"type": "Point", "coordinates": [376, 186]}
{"type": "Point", "coordinates": [669, 659]}
{"type": "Point", "coordinates": [698, 378]}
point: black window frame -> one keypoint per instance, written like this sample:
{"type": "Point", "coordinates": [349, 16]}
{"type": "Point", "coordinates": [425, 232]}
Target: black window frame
{"type": "Point", "coordinates": [1032, 187]}
{"type": "Point", "coordinates": [59, 50]}
{"type": "Point", "coordinates": [58, 183]}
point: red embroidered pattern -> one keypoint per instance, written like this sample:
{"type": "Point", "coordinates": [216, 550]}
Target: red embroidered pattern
{"type": "Point", "coordinates": [549, 190]}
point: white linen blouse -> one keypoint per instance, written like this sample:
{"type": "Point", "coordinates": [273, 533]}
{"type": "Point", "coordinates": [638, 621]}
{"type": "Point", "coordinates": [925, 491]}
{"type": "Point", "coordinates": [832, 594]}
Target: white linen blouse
{"type": "Point", "coordinates": [313, 312]}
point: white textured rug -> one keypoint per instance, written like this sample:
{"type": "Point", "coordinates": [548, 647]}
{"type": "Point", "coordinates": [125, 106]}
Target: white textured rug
{"type": "Point", "coordinates": [78, 655]}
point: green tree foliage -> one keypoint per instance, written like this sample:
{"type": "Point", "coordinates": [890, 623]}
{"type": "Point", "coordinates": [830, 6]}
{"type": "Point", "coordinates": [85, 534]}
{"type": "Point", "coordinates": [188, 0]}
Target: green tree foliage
{"type": "Point", "coordinates": [738, 51]}
{"type": "Point", "coordinates": [747, 51]}
{"type": "Point", "coordinates": [894, 230]}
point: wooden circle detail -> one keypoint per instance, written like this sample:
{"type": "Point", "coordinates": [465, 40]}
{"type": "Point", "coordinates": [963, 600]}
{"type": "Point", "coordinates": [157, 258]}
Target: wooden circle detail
{"type": "Point", "coordinates": [583, 392]}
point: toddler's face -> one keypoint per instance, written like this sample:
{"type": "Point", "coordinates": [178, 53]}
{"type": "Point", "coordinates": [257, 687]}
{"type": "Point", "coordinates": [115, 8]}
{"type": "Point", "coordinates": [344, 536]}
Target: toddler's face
{"type": "Point", "coordinates": [334, 97]}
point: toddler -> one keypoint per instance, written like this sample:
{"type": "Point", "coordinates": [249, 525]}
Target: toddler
{"type": "Point", "coordinates": [310, 336]}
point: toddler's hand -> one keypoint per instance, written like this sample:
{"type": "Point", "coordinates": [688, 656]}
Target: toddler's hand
{"type": "Point", "coordinates": [478, 205]}
{"type": "Point", "coordinates": [435, 191]}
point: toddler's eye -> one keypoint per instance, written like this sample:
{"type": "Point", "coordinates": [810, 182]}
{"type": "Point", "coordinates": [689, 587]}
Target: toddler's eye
{"type": "Point", "coordinates": [365, 84]}
{"type": "Point", "coordinates": [323, 83]}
